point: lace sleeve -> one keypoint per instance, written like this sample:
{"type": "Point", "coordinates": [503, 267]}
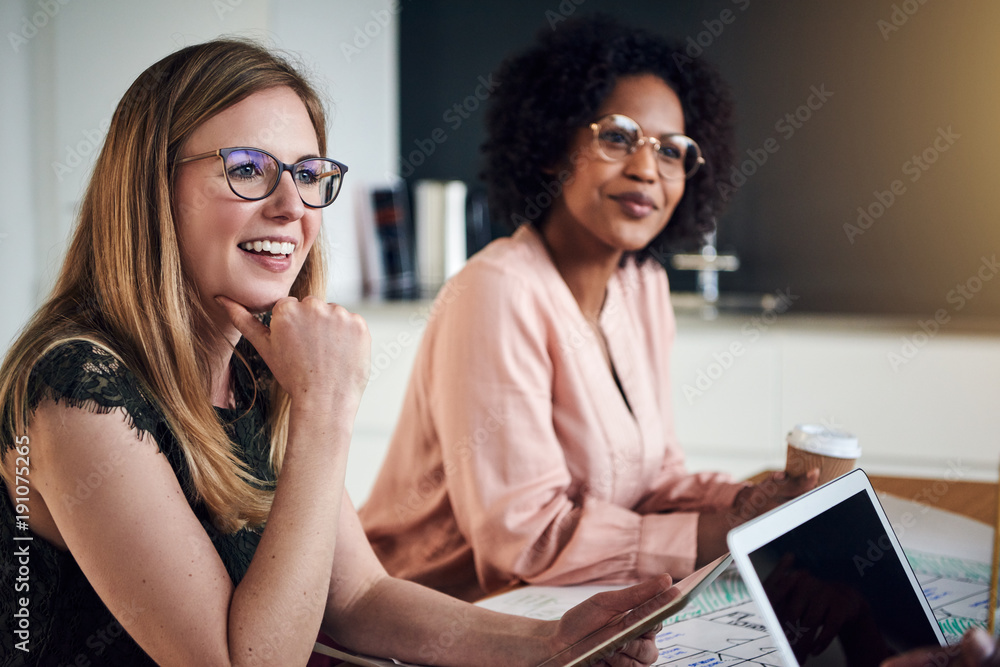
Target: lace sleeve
{"type": "Point", "coordinates": [83, 375]}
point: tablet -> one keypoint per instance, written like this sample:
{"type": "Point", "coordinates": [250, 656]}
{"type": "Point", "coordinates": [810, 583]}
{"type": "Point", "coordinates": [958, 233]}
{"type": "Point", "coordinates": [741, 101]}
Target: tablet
{"type": "Point", "coordinates": [831, 580]}
{"type": "Point", "coordinates": [603, 642]}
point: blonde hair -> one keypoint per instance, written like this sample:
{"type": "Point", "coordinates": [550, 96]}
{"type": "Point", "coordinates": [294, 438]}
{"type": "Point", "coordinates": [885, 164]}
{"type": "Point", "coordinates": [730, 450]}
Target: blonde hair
{"type": "Point", "coordinates": [122, 286]}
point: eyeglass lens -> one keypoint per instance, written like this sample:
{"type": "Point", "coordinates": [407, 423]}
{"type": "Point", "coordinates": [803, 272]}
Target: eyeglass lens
{"type": "Point", "coordinates": [253, 174]}
{"type": "Point", "coordinates": [618, 136]}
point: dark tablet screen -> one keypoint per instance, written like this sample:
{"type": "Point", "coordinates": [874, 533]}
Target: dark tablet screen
{"type": "Point", "coordinates": [839, 590]}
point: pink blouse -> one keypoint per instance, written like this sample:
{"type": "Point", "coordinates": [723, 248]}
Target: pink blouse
{"type": "Point", "coordinates": [516, 457]}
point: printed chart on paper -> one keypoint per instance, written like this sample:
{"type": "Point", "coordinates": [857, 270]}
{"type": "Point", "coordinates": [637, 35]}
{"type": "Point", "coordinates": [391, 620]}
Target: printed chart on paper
{"type": "Point", "coordinates": [722, 626]}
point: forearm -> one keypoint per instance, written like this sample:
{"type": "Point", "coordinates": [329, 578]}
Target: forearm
{"type": "Point", "coordinates": [409, 622]}
{"type": "Point", "coordinates": [598, 543]}
{"type": "Point", "coordinates": [281, 599]}
{"type": "Point", "coordinates": [678, 490]}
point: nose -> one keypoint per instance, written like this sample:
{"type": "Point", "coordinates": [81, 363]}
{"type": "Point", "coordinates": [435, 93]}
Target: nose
{"type": "Point", "coordinates": [642, 164]}
{"type": "Point", "coordinates": [285, 204]}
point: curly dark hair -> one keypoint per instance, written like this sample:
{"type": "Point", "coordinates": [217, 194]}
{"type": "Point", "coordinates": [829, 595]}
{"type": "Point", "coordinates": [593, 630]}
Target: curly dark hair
{"type": "Point", "coordinates": [549, 91]}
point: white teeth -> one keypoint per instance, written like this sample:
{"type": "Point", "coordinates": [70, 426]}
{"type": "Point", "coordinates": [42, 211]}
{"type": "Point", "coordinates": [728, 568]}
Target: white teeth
{"type": "Point", "coordinates": [275, 247]}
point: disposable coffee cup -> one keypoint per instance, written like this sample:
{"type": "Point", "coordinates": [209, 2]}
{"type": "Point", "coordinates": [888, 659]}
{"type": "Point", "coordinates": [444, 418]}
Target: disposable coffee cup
{"type": "Point", "coordinates": [810, 446]}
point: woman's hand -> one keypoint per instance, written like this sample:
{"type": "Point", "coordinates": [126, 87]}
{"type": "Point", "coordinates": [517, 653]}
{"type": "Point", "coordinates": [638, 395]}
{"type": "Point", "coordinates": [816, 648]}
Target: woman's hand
{"type": "Point", "coordinates": [314, 349]}
{"type": "Point", "coordinates": [611, 612]}
{"type": "Point", "coordinates": [776, 489]}
{"type": "Point", "coordinates": [977, 649]}
{"type": "Point", "coordinates": [751, 501]}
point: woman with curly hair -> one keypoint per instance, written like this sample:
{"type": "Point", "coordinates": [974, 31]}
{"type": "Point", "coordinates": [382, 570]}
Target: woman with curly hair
{"type": "Point", "coordinates": [177, 415]}
{"type": "Point", "coordinates": [536, 442]}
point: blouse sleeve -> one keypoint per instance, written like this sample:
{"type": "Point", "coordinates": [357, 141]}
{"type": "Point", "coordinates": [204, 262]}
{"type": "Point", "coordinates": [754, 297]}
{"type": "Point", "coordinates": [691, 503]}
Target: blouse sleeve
{"type": "Point", "coordinates": [509, 482]}
{"type": "Point", "coordinates": [83, 375]}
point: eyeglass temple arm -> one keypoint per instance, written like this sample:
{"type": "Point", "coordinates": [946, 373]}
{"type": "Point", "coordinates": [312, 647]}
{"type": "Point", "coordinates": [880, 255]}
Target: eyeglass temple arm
{"type": "Point", "coordinates": [199, 156]}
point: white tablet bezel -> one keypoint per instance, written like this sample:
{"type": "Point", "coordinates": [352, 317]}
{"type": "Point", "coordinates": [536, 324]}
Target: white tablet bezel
{"type": "Point", "coordinates": [747, 538]}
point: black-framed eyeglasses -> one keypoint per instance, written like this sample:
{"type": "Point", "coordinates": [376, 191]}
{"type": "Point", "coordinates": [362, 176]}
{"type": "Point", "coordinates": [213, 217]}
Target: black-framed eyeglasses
{"type": "Point", "coordinates": [616, 137]}
{"type": "Point", "coordinates": [253, 174]}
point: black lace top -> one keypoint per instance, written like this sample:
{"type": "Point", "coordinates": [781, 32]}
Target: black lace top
{"type": "Point", "coordinates": [67, 624]}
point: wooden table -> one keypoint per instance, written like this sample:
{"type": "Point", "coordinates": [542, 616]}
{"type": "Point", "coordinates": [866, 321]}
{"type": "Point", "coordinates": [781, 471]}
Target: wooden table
{"type": "Point", "coordinates": [976, 500]}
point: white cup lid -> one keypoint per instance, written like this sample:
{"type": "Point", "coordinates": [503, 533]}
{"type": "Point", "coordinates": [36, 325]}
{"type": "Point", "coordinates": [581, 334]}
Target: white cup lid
{"type": "Point", "coordinates": [824, 441]}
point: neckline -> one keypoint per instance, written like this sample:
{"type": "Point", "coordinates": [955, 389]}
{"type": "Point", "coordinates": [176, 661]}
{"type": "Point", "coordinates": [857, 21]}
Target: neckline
{"type": "Point", "coordinates": [537, 244]}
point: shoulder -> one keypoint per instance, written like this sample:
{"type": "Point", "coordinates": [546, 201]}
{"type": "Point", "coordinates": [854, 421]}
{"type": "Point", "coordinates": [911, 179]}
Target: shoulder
{"type": "Point", "coordinates": [514, 270]}
{"type": "Point", "coordinates": [81, 373]}
{"type": "Point", "coordinates": [507, 298]}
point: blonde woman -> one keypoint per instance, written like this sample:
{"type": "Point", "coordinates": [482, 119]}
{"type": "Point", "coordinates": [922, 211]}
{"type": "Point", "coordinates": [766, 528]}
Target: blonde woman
{"type": "Point", "coordinates": [173, 465]}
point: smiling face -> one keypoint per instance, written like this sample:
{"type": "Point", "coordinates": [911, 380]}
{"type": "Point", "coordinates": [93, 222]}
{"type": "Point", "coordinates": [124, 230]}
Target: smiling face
{"type": "Point", "coordinates": [609, 207]}
{"type": "Point", "coordinates": [249, 251]}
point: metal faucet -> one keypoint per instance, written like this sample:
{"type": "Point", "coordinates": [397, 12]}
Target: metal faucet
{"type": "Point", "coordinates": [708, 263]}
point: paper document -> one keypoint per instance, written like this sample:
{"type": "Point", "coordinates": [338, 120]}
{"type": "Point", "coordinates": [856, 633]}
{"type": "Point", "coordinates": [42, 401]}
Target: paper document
{"type": "Point", "coordinates": [723, 625]}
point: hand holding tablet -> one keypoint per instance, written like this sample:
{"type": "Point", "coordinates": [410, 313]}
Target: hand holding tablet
{"type": "Point", "coordinates": [638, 621]}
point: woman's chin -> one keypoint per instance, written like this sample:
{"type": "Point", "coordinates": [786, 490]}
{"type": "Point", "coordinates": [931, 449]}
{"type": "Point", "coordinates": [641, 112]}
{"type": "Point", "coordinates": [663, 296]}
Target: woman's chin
{"type": "Point", "coordinates": [255, 303]}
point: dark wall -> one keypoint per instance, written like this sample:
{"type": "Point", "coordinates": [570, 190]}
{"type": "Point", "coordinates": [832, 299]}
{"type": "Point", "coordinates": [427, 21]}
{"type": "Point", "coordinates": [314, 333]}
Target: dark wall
{"type": "Point", "coordinates": [905, 128]}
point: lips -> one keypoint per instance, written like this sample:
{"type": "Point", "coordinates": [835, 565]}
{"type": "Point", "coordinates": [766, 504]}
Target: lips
{"type": "Point", "coordinates": [635, 204]}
